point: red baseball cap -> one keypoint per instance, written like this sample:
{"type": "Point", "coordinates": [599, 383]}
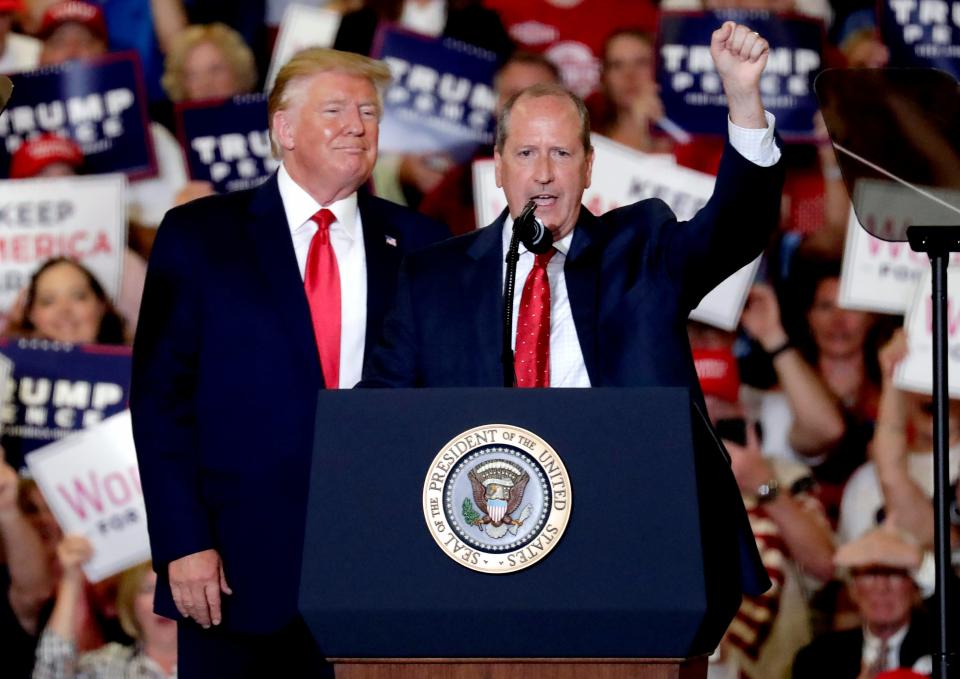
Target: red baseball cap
{"type": "Point", "coordinates": [718, 373]}
{"type": "Point", "coordinates": [11, 5]}
{"type": "Point", "coordinates": [47, 149]}
{"type": "Point", "coordinates": [76, 12]}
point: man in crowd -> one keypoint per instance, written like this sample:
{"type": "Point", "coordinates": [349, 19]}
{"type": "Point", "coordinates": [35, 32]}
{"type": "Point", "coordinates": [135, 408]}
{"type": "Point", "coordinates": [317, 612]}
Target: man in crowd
{"type": "Point", "coordinates": [895, 632]}
{"type": "Point", "coordinates": [607, 305]}
{"type": "Point", "coordinates": [254, 301]}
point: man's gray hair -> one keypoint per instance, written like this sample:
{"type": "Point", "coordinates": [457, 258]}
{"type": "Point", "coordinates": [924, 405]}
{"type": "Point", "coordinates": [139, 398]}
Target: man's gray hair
{"type": "Point", "coordinates": [536, 92]}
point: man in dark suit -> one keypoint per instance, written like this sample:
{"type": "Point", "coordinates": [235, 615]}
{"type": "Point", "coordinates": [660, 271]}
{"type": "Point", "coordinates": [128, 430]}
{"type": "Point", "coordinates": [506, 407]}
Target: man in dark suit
{"type": "Point", "coordinates": [620, 285]}
{"type": "Point", "coordinates": [608, 304]}
{"type": "Point", "coordinates": [895, 631]}
{"type": "Point", "coordinates": [253, 302]}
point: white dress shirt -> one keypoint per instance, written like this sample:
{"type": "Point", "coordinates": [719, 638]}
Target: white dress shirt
{"type": "Point", "coordinates": [346, 236]}
{"type": "Point", "coordinates": [872, 645]}
{"type": "Point", "coordinates": [567, 367]}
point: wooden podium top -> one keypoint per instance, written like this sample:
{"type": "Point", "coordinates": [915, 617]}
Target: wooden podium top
{"type": "Point", "coordinates": [529, 668]}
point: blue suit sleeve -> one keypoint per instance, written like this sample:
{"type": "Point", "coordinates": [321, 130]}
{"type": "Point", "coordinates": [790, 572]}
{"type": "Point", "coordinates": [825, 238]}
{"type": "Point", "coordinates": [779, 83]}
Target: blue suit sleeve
{"type": "Point", "coordinates": [730, 231]}
{"type": "Point", "coordinates": [163, 395]}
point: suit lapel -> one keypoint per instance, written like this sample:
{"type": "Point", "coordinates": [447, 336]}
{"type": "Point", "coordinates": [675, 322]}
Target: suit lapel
{"type": "Point", "coordinates": [383, 262]}
{"type": "Point", "coordinates": [484, 278]}
{"type": "Point", "coordinates": [268, 229]}
{"type": "Point", "coordinates": [582, 274]}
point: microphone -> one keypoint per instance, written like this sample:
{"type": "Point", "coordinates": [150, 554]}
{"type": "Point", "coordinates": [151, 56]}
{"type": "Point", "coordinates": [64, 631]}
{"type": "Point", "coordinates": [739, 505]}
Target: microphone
{"type": "Point", "coordinates": [531, 231]}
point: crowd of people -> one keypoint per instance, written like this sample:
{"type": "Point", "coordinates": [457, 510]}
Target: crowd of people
{"type": "Point", "coordinates": [833, 461]}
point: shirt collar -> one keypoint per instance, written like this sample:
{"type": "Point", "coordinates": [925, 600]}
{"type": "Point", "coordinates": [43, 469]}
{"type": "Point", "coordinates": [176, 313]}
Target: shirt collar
{"type": "Point", "coordinates": [562, 245]}
{"type": "Point", "coordinates": [300, 206]}
{"type": "Point", "coordinates": [872, 643]}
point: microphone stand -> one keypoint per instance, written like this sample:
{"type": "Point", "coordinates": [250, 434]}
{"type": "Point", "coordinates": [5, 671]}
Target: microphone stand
{"type": "Point", "coordinates": [939, 242]}
{"type": "Point", "coordinates": [509, 286]}
{"type": "Point", "coordinates": [534, 234]}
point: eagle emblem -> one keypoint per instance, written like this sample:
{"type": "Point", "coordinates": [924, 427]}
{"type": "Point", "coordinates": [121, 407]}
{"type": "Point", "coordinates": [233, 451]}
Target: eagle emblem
{"type": "Point", "coordinates": [498, 487]}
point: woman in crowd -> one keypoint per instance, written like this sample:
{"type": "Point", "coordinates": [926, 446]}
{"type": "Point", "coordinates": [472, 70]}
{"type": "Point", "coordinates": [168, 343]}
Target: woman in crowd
{"type": "Point", "coordinates": [209, 62]}
{"type": "Point", "coordinates": [899, 478]}
{"type": "Point", "coordinates": [65, 302]}
{"type": "Point", "coordinates": [632, 103]}
{"type": "Point", "coordinates": [825, 363]}
{"type": "Point", "coordinates": [154, 654]}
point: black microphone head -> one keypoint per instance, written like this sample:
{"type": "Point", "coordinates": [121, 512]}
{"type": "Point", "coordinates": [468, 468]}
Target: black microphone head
{"type": "Point", "coordinates": [540, 240]}
{"type": "Point", "coordinates": [527, 212]}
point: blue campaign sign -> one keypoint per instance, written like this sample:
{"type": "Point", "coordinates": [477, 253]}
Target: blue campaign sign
{"type": "Point", "coordinates": [98, 103]}
{"type": "Point", "coordinates": [441, 99]}
{"type": "Point", "coordinates": [227, 142]}
{"type": "Point", "coordinates": [690, 86]}
{"type": "Point", "coordinates": [56, 389]}
{"type": "Point", "coordinates": [922, 33]}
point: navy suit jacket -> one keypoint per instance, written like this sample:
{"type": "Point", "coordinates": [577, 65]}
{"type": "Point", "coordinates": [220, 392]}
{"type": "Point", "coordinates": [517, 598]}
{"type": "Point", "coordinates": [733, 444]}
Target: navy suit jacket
{"type": "Point", "coordinates": [225, 379]}
{"type": "Point", "coordinates": [633, 275]}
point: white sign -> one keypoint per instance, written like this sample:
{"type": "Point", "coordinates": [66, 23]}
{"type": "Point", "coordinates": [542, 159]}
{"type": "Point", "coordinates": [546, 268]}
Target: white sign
{"type": "Point", "coordinates": [878, 275]}
{"type": "Point", "coordinates": [622, 176]}
{"type": "Point", "coordinates": [303, 26]}
{"type": "Point", "coordinates": [83, 218]}
{"type": "Point", "coordinates": [91, 482]}
{"type": "Point", "coordinates": [915, 371]}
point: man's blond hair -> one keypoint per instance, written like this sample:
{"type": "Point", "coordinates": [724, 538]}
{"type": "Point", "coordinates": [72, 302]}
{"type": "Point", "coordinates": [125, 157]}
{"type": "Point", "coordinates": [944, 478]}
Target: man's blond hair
{"type": "Point", "coordinates": [310, 62]}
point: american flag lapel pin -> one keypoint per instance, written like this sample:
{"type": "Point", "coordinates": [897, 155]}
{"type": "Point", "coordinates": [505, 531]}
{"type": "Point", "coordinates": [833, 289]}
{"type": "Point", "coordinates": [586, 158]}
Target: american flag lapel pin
{"type": "Point", "coordinates": [391, 241]}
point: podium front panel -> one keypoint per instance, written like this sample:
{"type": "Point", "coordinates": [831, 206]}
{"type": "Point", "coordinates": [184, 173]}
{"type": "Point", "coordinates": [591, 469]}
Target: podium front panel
{"type": "Point", "coordinates": [625, 580]}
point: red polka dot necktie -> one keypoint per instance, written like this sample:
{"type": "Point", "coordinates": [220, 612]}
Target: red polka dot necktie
{"type": "Point", "coordinates": [532, 352]}
{"type": "Point", "coordinates": [321, 281]}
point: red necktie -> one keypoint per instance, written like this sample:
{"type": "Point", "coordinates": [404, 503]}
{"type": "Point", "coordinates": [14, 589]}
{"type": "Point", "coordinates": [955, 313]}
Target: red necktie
{"type": "Point", "coordinates": [321, 281]}
{"type": "Point", "coordinates": [532, 353]}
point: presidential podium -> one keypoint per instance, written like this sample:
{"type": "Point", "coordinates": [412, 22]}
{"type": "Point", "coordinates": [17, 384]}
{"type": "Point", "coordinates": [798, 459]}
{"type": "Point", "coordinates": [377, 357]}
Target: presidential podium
{"type": "Point", "coordinates": [642, 580]}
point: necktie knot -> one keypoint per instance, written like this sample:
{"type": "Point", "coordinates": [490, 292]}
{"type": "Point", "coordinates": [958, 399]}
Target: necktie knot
{"type": "Point", "coordinates": [323, 218]}
{"type": "Point", "coordinates": [542, 260]}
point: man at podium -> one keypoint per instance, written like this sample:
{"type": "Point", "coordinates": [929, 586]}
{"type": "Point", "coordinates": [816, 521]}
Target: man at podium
{"type": "Point", "coordinates": [607, 305]}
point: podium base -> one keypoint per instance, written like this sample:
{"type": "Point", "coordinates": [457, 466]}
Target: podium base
{"type": "Point", "coordinates": [529, 668]}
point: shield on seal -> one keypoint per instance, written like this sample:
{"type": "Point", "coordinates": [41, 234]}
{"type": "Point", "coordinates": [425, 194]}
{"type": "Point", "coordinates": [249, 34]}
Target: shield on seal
{"type": "Point", "coordinates": [496, 509]}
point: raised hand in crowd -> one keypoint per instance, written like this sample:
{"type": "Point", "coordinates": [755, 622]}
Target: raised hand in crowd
{"type": "Point", "coordinates": [836, 200]}
{"type": "Point", "coordinates": [647, 108]}
{"type": "Point", "coordinates": [72, 552]}
{"type": "Point", "coordinates": [31, 579]}
{"type": "Point", "coordinates": [804, 530]}
{"type": "Point", "coordinates": [740, 56]}
{"type": "Point", "coordinates": [169, 19]}
{"type": "Point", "coordinates": [196, 582]}
{"type": "Point", "coordinates": [818, 421]}
{"type": "Point", "coordinates": [904, 499]}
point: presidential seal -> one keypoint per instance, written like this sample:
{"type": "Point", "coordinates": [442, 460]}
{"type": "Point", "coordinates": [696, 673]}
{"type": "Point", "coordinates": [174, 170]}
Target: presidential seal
{"type": "Point", "coordinates": [497, 498]}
